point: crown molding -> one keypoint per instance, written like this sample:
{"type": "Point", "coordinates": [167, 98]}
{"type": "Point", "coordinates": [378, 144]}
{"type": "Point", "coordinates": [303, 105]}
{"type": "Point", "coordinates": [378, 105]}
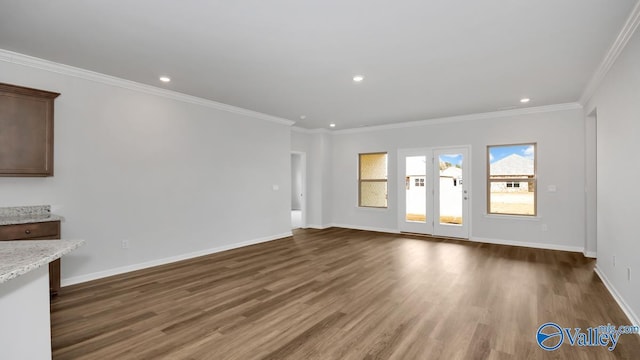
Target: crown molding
{"type": "Point", "coordinates": [30, 61]}
{"type": "Point", "coordinates": [470, 117]}
{"type": "Point", "coordinates": [309, 131]}
{"type": "Point", "coordinates": [612, 55]}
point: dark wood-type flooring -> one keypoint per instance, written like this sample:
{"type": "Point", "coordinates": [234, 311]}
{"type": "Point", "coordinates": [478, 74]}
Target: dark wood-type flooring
{"type": "Point", "coordinates": [341, 294]}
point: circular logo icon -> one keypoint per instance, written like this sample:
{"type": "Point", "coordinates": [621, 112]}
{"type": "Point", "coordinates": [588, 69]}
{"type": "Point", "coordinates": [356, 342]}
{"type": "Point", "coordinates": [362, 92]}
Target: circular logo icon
{"type": "Point", "coordinates": [550, 336]}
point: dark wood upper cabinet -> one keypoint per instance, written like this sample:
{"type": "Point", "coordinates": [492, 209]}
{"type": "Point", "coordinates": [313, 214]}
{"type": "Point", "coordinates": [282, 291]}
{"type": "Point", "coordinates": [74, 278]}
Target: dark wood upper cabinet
{"type": "Point", "coordinates": [26, 131]}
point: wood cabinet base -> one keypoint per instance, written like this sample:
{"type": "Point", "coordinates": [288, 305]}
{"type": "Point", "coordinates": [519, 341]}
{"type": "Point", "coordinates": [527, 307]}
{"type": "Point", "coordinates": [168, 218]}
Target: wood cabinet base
{"type": "Point", "coordinates": [49, 230]}
{"type": "Point", "coordinates": [54, 277]}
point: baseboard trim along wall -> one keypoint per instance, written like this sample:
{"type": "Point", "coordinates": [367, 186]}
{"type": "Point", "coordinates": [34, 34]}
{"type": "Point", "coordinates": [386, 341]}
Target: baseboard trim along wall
{"type": "Point", "coordinates": [367, 228]}
{"type": "Point", "coordinates": [317, 227]}
{"type": "Point", "coordinates": [591, 254]}
{"type": "Point", "coordinates": [129, 268]}
{"type": "Point", "coordinates": [476, 239]}
{"type": "Point", "coordinates": [528, 244]}
{"type": "Point", "coordinates": [623, 305]}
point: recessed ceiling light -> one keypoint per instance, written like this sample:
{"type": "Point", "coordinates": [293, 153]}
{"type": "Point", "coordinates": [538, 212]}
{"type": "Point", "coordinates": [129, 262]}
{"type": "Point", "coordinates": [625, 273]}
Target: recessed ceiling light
{"type": "Point", "coordinates": [525, 100]}
{"type": "Point", "coordinates": [332, 125]}
{"type": "Point", "coordinates": [302, 117]}
{"type": "Point", "coordinates": [165, 78]}
{"type": "Point", "coordinates": [358, 78]}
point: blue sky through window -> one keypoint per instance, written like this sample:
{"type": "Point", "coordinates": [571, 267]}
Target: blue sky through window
{"type": "Point", "coordinates": [500, 152]}
{"type": "Point", "coordinates": [454, 159]}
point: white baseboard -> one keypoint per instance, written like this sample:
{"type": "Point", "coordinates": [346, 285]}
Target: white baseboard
{"type": "Point", "coordinates": [367, 228]}
{"type": "Point", "coordinates": [591, 254]}
{"type": "Point", "coordinates": [616, 295]}
{"type": "Point", "coordinates": [477, 239]}
{"type": "Point", "coordinates": [528, 244]}
{"type": "Point", "coordinates": [318, 227]}
{"type": "Point", "coordinates": [125, 269]}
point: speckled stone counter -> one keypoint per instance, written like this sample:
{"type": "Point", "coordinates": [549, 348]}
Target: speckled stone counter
{"type": "Point", "coordinates": [20, 257]}
{"type": "Point", "coordinates": [25, 328]}
{"type": "Point", "coordinates": [27, 215]}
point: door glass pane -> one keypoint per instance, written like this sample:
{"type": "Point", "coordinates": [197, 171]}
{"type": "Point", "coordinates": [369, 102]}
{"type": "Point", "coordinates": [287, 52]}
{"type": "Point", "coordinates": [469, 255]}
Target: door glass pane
{"type": "Point", "coordinates": [416, 185]}
{"type": "Point", "coordinates": [451, 192]}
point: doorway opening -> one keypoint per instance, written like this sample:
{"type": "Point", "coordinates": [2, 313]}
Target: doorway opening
{"type": "Point", "coordinates": [298, 189]}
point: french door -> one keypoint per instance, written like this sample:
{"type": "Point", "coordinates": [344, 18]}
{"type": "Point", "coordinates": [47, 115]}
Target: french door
{"type": "Point", "coordinates": [433, 191]}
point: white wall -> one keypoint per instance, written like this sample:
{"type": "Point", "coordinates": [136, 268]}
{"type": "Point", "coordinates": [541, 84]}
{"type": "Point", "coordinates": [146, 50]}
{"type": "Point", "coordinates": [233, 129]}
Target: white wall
{"type": "Point", "coordinates": [591, 204]}
{"type": "Point", "coordinates": [560, 139]}
{"type": "Point", "coordinates": [617, 101]}
{"type": "Point", "coordinates": [171, 177]}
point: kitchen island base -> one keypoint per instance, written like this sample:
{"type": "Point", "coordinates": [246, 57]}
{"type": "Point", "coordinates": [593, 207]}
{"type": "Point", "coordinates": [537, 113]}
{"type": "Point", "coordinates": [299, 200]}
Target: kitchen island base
{"type": "Point", "coordinates": [25, 328]}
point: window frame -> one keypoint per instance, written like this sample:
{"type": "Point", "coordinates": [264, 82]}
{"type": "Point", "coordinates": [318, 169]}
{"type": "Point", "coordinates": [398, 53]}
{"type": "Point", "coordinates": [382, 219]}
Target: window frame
{"type": "Point", "coordinates": [360, 180]}
{"type": "Point", "coordinates": [530, 180]}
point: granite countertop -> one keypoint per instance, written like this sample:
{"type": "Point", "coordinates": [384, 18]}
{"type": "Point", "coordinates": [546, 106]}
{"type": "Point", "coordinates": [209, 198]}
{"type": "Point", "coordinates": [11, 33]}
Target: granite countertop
{"type": "Point", "coordinates": [28, 219]}
{"type": "Point", "coordinates": [19, 257]}
{"type": "Point", "coordinates": [27, 215]}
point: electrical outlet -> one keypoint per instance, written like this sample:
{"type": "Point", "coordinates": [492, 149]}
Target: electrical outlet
{"type": "Point", "coordinates": [125, 244]}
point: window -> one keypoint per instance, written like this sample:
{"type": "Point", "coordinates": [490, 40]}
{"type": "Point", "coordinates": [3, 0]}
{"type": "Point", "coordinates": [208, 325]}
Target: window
{"type": "Point", "coordinates": [372, 180]}
{"type": "Point", "coordinates": [511, 179]}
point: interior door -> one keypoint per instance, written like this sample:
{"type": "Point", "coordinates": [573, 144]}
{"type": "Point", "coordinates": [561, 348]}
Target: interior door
{"type": "Point", "coordinates": [433, 191]}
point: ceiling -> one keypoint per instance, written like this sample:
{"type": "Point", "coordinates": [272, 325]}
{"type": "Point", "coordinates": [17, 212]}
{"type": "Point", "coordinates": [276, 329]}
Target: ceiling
{"type": "Point", "coordinates": [421, 59]}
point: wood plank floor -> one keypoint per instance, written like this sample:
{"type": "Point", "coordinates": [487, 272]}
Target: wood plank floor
{"type": "Point", "coordinates": [341, 294]}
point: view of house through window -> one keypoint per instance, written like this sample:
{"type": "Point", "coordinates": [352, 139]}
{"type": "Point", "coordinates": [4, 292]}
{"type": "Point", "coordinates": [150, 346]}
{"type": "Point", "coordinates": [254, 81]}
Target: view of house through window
{"type": "Point", "coordinates": [372, 180]}
{"type": "Point", "coordinates": [511, 179]}
{"type": "Point", "coordinates": [416, 191]}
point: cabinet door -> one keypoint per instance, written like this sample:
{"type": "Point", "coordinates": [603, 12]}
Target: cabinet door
{"type": "Point", "coordinates": [26, 131]}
